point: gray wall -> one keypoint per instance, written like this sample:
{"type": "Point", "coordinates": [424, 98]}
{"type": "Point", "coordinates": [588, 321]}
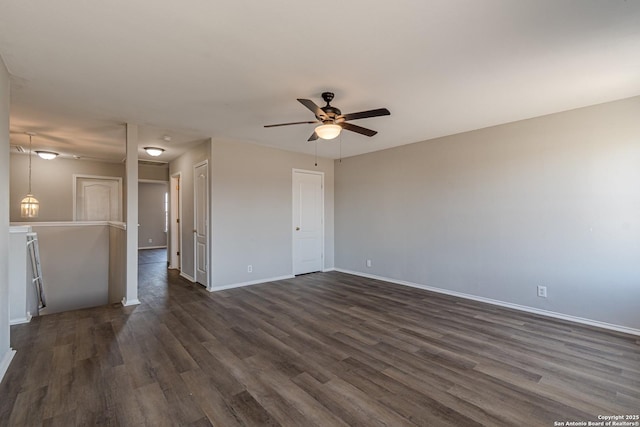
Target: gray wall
{"type": "Point", "coordinates": [151, 214]}
{"type": "Point", "coordinates": [78, 276]}
{"type": "Point", "coordinates": [117, 264]}
{"type": "Point", "coordinates": [155, 172]}
{"type": "Point", "coordinates": [184, 164]}
{"type": "Point", "coordinates": [5, 351]}
{"type": "Point", "coordinates": [552, 201]}
{"type": "Point", "coordinates": [251, 206]}
{"type": "Point", "coordinates": [52, 184]}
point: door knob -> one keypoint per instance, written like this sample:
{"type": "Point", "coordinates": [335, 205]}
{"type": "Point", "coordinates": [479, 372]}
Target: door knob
{"type": "Point", "coordinates": [297, 228]}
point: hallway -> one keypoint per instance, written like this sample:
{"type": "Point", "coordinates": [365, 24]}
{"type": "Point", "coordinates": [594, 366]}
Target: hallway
{"type": "Point", "coordinates": [152, 256]}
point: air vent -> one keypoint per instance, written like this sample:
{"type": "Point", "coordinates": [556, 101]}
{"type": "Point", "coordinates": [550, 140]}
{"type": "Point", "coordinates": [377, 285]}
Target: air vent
{"type": "Point", "coordinates": [18, 148]}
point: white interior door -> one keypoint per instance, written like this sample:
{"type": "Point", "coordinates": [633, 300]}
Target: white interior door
{"type": "Point", "coordinates": [97, 198]}
{"type": "Point", "coordinates": [201, 220]}
{"type": "Point", "coordinates": [308, 228]}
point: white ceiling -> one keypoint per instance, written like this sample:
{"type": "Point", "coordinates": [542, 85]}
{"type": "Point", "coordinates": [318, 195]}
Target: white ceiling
{"type": "Point", "coordinates": [196, 69]}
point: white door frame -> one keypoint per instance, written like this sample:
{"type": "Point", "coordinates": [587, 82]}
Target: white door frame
{"type": "Point", "coordinates": [110, 178]}
{"type": "Point", "coordinates": [207, 225]}
{"type": "Point", "coordinates": [293, 220]}
{"type": "Point", "coordinates": [175, 230]}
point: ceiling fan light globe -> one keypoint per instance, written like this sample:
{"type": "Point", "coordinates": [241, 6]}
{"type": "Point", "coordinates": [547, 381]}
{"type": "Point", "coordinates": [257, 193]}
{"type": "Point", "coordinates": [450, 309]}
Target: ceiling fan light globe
{"type": "Point", "coordinates": [329, 131]}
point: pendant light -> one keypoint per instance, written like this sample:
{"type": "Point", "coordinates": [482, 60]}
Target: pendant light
{"type": "Point", "coordinates": [29, 206]}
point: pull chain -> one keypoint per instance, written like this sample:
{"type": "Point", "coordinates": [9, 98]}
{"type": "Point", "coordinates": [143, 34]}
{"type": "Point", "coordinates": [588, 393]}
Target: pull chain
{"type": "Point", "coordinates": [316, 152]}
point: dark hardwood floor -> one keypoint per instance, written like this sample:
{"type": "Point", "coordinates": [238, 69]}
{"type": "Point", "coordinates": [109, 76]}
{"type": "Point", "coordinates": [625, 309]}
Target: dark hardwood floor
{"type": "Point", "coordinates": [324, 349]}
{"type": "Point", "coordinates": [152, 256]}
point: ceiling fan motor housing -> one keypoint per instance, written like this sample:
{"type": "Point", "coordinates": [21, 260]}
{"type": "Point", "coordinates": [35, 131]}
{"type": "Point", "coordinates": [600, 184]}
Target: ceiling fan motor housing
{"type": "Point", "coordinates": [330, 111]}
{"type": "Point", "coordinates": [327, 96]}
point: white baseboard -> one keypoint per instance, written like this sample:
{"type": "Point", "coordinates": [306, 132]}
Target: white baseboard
{"type": "Point", "coordinates": [141, 248]}
{"type": "Point", "coordinates": [21, 320]}
{"type": "Point", "coordinates": [186, 276]}
{"type": "Point", "coordinates": [125, 302]}
{"type": "Point", "coordinates": [525, 308]}
{"type": "Point", "coordinates": [6, 360]}
{"type": "Point", "coordinates": [326, 270]}
{"type": "Point", "coordinates": [253, 282]}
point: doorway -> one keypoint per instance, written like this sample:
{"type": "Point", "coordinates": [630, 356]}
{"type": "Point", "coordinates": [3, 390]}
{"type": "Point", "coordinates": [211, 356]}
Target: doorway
{"type": "Point", "coordinates": [175, 242]}
{"type": "Point", "coordinates": [308, 221]}
{"type": "Point", "coordinates": [201, 221]}
{"type": "Point", "coordinates": [152, 215]}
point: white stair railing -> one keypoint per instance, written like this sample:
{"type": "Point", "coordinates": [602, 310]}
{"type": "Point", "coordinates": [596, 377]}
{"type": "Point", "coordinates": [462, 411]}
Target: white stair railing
{"type": "Point", "coordinates": [36, 269]}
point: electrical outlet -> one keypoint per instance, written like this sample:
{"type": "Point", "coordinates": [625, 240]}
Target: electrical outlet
{"type": "Point", "coordinates": [542, 291]}
{"type": "Point", "coordinates": [249, 268]}
{"type": "Point", "coordinates": [368, 263]}
{"type": "Point", "coordinates": [150, 240]}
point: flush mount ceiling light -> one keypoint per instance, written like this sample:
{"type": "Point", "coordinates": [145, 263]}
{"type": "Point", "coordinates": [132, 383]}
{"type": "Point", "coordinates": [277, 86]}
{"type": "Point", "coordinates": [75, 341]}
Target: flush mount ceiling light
{"type": "Point", "coordinates": [47, 155]}
{"type": "Point", "coordinates": [154, 151]}
{"type": "Point", "coordinates": [29, 206]}
{"type": "Point", "coordinates": [328, 131]}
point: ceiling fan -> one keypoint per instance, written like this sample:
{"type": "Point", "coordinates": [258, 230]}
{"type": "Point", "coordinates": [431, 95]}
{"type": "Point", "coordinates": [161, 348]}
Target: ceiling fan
{"type": "Point", "coordinates": [333, 121]}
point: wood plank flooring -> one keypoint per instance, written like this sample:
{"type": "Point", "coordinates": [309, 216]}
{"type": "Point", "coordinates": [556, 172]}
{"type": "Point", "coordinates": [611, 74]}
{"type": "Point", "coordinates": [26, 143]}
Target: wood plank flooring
{"type": "Point", "coordinates": [325, 349]}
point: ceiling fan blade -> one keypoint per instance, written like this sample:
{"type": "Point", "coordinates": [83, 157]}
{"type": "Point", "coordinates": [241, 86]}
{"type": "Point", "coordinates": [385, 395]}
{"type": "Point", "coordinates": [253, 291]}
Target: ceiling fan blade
{"type": "Point", "coordinates": [366, 114]}
{"type": "Point", "coordinates": [313, 107]}
{"type": "Point", "coordinates": [358, 129]}
{"type": "Point", "coordinates": [313, 137]}
{"type": "Point", "coordinates": [292, 123]}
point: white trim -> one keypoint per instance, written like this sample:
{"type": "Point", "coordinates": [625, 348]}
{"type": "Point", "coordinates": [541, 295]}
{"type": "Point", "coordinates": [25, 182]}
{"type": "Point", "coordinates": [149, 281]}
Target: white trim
{"type": "Point", "coordinates": [151, 247]}
{"type": "Point", "coordinates": [546, 313]}
{"type": "Point", "coordinates": [126, 303]}
{"type": "Point", "coordinates": [207, 225]}
{"type": "Point", "coordinates": [117, 224]}
{"type": "Point", "coordinates": [252, 282]}
{"type": "Point", "coordinates": [6, 360]}
{"type": "Point", "coordinates": [178, 225]}
{"type": "Point", "coordinates": [293, 237]}
{"type": "Point", "coordinates": [112, 178]}
{"type": "Point", "coordinates": [64, 223]}
{"type": "Point", "coordinates": [326, 270]}
{"type": "Point", "coordinates": [186, 276]}
{"type": "Point", "coordinates": [21, 320]}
